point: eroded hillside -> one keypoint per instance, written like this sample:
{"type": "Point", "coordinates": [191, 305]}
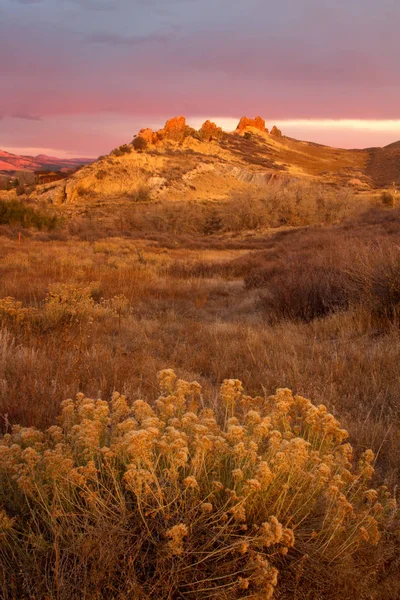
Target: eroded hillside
{"type": "Point", "coordinates": [180, 163]}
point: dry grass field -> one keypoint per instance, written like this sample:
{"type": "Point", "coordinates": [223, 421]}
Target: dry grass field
{"type": "Point", "coordinates": [216, 294]}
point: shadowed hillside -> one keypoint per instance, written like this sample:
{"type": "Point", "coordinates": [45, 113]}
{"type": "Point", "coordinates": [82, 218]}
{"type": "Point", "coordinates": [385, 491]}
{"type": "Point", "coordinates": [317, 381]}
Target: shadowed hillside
{"type": "Point", "coordinates": [383, 165]}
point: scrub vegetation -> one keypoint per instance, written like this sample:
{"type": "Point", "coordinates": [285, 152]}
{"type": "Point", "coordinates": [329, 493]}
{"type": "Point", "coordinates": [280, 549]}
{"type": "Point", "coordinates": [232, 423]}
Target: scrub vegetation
{"type": "Point", "coordinates": [156, 440]}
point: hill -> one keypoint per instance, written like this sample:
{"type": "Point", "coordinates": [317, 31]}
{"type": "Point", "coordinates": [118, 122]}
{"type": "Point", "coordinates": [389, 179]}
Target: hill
{"type": "Point", "coordinates": [284, 286]}
{"type": "Point", "coordinates": [10, 163]}
{"type": "Point", "coordinates": [180, 163]}
{"type": "Point", "coordinates": [383, 165]}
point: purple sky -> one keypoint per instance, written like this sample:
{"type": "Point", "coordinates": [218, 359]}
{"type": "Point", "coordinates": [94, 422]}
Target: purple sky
{"type": "Point", "coordinates": [81, 76]}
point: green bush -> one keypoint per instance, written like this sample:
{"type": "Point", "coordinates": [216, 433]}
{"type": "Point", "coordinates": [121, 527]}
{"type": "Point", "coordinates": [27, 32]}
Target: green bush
{"type": "Point", "coordinates": [14, 212]}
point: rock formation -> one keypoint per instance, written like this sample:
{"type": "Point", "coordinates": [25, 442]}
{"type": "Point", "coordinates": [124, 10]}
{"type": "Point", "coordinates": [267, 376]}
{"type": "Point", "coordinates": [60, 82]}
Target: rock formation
{"type": "Point", "coordinates": [148, 135]}
{"type": "Point", "coordinates": [257, 123]}
{"type": "Point", "coordinates": [174, 130]}
{"type": "Point", "coordinates": [209, 131]}
{"type": "Point", "coordinates": [177, 130]}
{"type": "Point", "coordinates": [186, 166]}
{"type": "Point", "coordinates": [276, 132]}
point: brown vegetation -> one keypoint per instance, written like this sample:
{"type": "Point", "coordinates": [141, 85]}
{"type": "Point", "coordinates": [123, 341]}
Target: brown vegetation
{"type": "Point", "coordinates": [211, 292]}
{"type": "Point", "coordinates": [130, 500]}
{"type": "Point", "coordinates": [294, 204]}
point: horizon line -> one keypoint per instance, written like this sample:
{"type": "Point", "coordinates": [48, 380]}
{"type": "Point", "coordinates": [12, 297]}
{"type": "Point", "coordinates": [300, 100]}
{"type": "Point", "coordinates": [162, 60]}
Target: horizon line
{"type": "Point", "coordinates": [228, 124]}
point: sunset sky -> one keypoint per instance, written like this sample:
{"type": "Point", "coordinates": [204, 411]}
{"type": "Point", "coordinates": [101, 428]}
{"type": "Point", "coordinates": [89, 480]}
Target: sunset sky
{"type": "Point", "coordinates": [79, 77]}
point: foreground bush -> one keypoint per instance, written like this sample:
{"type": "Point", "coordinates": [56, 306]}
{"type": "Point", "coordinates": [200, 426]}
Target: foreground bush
{"type": "Point", "coordinates": [170, 501]}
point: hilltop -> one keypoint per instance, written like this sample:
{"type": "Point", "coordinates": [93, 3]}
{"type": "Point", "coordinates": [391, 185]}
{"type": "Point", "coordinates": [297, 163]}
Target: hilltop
{"type": "Point", "coordinates": [180, 163]}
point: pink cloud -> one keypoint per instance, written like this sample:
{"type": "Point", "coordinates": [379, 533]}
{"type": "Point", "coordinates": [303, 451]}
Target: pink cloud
{"type": "Point", "coordinates": [323, 62]}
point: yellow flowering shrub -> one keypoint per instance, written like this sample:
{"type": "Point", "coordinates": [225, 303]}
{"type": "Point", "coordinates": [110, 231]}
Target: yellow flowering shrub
{"type": "Point", "coordinates": [69, 303]}
{"type": "Point", "coordinates": [74, 303]}
{"type": "Point", "coordinates": [167, 501]}
{"type": "Point", "coordinates": [13, 313]}
{"type": "Point", "coordinates": [65, 305]}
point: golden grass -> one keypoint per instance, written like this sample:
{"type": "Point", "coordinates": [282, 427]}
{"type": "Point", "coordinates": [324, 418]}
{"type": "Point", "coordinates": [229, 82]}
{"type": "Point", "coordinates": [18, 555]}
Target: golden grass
{"type": "Point", "coordinates": [109, 314]}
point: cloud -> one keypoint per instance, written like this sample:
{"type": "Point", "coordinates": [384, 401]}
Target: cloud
{"type": "Point", "coordinates": [26, 117]}
{"type": "Point", "coordinates": [95, 5]}
{"type": "Point", "coordinates": [115, 39]}
{"type": "Point", "coordinates": [295, 59]}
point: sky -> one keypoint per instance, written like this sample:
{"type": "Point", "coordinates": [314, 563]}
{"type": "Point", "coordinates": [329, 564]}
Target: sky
{"type": "Point", "coordinates": [80, 77]}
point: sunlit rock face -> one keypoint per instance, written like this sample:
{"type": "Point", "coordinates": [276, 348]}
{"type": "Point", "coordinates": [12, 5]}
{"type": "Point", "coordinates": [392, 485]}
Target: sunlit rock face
{"type": "Point", "coordinates": [174, 130]}
{"type": "Point", "coordinates": [276, 132]}
{"type": "Point", "coordinates": [148, 135]}
{"type": "Point", "coordinates": [257, 123]}
{"type": "Point", "coordinates": [209, 131]}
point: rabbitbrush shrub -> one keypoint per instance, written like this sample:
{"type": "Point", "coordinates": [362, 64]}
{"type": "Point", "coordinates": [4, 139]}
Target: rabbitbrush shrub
{"type": "Point", "coordinates": [167, 501]}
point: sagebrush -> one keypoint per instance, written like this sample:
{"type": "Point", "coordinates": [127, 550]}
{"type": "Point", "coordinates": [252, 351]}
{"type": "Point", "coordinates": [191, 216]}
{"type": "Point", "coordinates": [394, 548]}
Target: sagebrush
{"type": "Point", "coordinates": [170, 501]}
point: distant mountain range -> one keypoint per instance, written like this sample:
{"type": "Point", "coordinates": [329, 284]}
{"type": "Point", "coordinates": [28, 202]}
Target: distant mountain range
{"type": "Point", "coordinates": [10, 163]}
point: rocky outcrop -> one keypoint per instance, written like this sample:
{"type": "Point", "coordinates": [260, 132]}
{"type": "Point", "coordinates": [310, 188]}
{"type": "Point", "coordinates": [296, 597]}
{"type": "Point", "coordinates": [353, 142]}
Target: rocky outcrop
{"type": "Point", "coordinates": [276, 132]}
{"type": "Point", "coordinates": [182, 163]}
{"type": "Point", "coordinates": [174, 130]}
{"type": "Point", "coordinates": [257, 123]}
{"type": "Point", "coordinates": [209, 131]}
{"type": "Point", "coordinates": [177, 130]}
{"type": "Point", "coordinates": [148, 135]}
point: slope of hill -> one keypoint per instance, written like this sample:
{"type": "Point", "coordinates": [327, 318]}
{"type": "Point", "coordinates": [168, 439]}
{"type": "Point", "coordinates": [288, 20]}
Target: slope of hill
{"type": "Point", "coordinates": [180, 163]}
{"type": "Point", "coordinates": [14, 162]}
{"type": "Point", "coordinates": [384, 165]}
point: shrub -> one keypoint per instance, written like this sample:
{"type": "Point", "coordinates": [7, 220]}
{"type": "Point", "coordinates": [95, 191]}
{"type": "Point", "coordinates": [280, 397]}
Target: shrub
{"type": "Point", "coordinates": [69, 304]}
{"type": "Point", "coordinates": [331, 272]}
{"type": "Point", "coordinates": [212, 224]}
{"type": "Point", "coordinates": [170, 501]}
{"type": "Point", "coordinates": [304, 292]}
{"type": "Point", "coordinates": [374, 280]}
{"type": "Point", "coordinates": [139, 144]}
{"type": "Point", "coordinates": [125, 149]}
{"type": "Point", "coordinates": [140, 194]}
{"type": "Point", "coordinates": [13, 313]}
{"type": "Point", "coordinates": [14, 212]}
{"type": "Point", "coordinates": [387, 199]}
{"type": "Point", "coordinates": [20, 191]}
{"type": "Point", "coordinates": [101, 174]}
